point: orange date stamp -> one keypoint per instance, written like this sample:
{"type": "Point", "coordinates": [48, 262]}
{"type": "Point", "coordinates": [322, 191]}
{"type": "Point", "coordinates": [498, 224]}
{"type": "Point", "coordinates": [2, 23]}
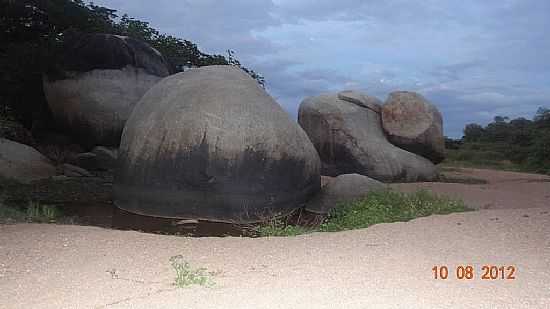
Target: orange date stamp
{"type": "Point", "coordinates": [468, 272]}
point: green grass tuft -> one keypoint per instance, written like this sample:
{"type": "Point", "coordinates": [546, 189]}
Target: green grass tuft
{"type": "Point", "coordinates": [389, 206]}
{"type": "Point", "coordinates": [42, 213]}
{"type": "Point", "coordinates": [187, 275]}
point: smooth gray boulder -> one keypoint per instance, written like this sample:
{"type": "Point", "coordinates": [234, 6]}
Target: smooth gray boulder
{"type": "Point", "coordinates": [211, 144]}
{"type": "Point", "coordinates": [101, 78]}
{"type": "Point", "coordinates": [23, 163]}
{"type": "Point", "coordinates": [414, 124]}
{"type": "Point", "coordinates": [344, 188]}
{"type": "Point", "coordinates": [349, 139]}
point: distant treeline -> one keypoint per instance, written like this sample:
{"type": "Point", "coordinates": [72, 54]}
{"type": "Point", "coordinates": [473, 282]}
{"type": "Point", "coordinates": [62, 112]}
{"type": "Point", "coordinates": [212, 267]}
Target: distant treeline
{"type": "Point", "coordinates": [32, 33]}
{"type": "Point", "coordinates": [523, 142]}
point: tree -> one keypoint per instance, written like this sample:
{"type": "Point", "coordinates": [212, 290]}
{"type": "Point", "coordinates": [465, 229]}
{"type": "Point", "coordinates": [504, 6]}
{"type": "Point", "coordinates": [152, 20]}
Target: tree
{"type": "Point", "coordinates": [522, 141]}
{"type": "Point", "coordinates": [542, 117]}
{"type": "Point", "coordinates": [179, 53]}
{"type": "Point", "coordinates": [473, 132]}
{"type": "Point", "coordinates": [32, 33]}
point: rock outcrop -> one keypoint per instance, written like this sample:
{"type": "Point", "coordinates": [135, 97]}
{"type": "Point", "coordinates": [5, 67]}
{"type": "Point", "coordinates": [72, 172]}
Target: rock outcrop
{"type": "Point", "coordinates": [344, 188]}
{"type": "Point", "coordinates": [211, 144]}
{"type": "Point", "coordinates": [414, 124]}
{"type": "Point", "coordinates": [23, 163]}
{"type": "Point", "coordinates": [350, 139]}
{"type": "Point", "coordinates": [101, 78]}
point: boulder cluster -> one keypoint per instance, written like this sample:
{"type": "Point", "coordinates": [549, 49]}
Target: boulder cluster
{"type": "Point", "coordinates": [211, 144]}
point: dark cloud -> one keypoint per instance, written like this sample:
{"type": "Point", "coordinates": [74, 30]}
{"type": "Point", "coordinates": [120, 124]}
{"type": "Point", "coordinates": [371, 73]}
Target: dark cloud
{"type": "Point", "coordinates": [474, 59]}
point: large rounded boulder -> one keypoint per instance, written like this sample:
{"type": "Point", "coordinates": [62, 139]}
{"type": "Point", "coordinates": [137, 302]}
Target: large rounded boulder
{"type": "Point", "coordinates": [414, 124]}
{"type": "Point", "coordinates": [211, 144]}
{"type": "Point", "coordinates": [100, 79]}
{"type": "Point", "coordinates": [350, 139]}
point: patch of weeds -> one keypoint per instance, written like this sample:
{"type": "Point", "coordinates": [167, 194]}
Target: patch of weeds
{"type": "Point", "coordinates": [42, 213]}
{"type": "Point", "coordinates": [278, 228]}
{"type": "Point", "coordinates": [389, 206]}
{"type": "Point", "coordinates": [377, 207]}
{"type": "Point", "coordinates": [187, 275]}
{"type": "Point", "coordinates": [10, 214]}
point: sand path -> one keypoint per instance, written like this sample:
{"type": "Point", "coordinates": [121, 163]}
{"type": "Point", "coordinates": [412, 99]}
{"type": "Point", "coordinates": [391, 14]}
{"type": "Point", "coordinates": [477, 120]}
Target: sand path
{"type": "Point", "coordinates": [385, 266]}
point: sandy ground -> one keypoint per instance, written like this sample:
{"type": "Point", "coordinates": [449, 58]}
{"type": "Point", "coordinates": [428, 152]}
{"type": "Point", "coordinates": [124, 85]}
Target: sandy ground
{"type": "Point", "coordinates": [385, 266]}
{"type": "Point", "coordinates": [504, 190]}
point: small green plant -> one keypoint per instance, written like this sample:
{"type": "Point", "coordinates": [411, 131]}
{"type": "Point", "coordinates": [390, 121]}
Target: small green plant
{"type": "Point", "coordinates": [187, 275]}
{"type": "Point", "coordinates": [42, 213]}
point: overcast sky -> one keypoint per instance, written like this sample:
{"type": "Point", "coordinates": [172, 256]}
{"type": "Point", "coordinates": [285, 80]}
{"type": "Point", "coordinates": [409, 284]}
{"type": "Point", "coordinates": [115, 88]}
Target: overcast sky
{"type": "Point", "coordinates": [473, 59]}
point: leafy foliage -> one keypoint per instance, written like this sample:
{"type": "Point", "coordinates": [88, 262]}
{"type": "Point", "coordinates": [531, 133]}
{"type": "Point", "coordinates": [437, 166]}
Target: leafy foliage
{"type": "Point", "coordinates": [32, 33]}
{"type": "Point", "coordinates": [523, 142]}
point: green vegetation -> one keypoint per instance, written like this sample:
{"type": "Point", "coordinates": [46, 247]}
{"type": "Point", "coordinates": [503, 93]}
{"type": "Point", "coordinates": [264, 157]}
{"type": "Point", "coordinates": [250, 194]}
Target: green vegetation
{"type": "Point", "coordinates": [42, 213]}
{"type": "Point", "coordinates": [277, 228]}
{"type": "Point", "coordinates": [32, 35]}
{"type": "Point", "coordinates": [11, 214]}
{"type": "Point", "coordinates": [378, 207]}
{"type": "Point", "coordinates": [479, 155]}
{"type": "Point", "coordinates": [517, 145]}
{"type": "Point", "coordinates": [33, 212]}
{"type": "Point", "coordinates": [187, 275]}
{"type": "Point", "coordinates": [389, 206]}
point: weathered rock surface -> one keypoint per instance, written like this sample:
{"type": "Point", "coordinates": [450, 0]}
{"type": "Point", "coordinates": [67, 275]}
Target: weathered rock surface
{"type": "Point", "coordinates": [86, 160]}
{"type": "Point", "coordinates": [15, 131]}
{"type": "Point", "coordinates": [414, 124]}
{"type": "Point", "coordinates": [350, 139]}
{"type": "Point", "coordinates": [102, 78]}
{"type": "Point", "coordinates": [74, 171]}
{"type": "Point", "coordinates": [211, 144]}
{"type": "Point", "coordinates": [106, 157]}
{"type": "Point", "coordinates": [344, 188]}
{"type": "Point", "coordinates": [360, 99]}
{"type": "Point", "coordinates": [101, 158]}
{"type": "Point", "coordinates": [23, 163]}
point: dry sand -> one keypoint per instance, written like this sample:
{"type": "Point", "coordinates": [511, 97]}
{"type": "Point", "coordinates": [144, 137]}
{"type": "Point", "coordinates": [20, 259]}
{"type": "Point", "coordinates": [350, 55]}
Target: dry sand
{"type": "Point", "coordinates": [385, 266]}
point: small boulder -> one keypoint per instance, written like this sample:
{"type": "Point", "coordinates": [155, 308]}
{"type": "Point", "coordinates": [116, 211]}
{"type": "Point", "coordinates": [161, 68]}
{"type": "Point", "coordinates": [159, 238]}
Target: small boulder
{"type": "Point", "coordinates": [74, 171]}
{"type": "Point", "coordinates": [86, 160]}
{"type": "Point", "coordinates": [350, 139]}
{"type": "Point", "coordinates": [325, 180]}
{"type": "Point", "coordinates": [15, 131]}
{"type": "Point", "coordinates": [106, 157]}
{"type": "Point", "coordinates": [414, 124]}
{"type": "Point", "coordinates": [344, 188]}
{"type": "Point", "coordinates": [23, 163]}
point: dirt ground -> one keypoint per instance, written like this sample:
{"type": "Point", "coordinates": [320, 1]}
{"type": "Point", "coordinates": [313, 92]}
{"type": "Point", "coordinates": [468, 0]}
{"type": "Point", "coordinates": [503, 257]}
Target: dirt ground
{"type": "Point", "coordinates": [384, 266]}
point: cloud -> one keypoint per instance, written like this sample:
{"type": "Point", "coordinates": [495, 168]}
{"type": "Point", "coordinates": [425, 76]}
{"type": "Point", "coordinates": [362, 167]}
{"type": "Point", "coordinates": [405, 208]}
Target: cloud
{"type": "Point", "coordinates": [471, 58]}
